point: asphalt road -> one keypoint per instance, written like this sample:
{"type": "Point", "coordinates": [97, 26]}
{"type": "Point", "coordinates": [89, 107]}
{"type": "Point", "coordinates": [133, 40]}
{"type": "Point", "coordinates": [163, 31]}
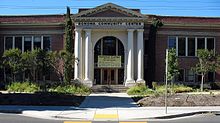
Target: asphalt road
{"type": "Point", "coordinates": [13, 118]}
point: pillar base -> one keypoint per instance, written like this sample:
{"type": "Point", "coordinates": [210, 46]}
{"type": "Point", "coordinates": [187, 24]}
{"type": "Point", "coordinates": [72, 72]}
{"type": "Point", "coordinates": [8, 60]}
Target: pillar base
{"type": "Point", "coordinates": [140, 81]}
{"type": "Point", "coordinates": [88, 83]}
{"type": "Point", "coordinates": [130, 83]}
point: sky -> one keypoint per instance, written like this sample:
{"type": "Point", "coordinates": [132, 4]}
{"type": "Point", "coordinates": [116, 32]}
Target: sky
{"type": "Point", "coordinates": [206, 8]}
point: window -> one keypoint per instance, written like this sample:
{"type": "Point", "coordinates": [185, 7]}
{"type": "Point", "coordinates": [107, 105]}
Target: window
{"type": "Point", "coordinates": [200, 43]}
{"type": "Point", "coordinates": [181, 46]}
{"type": "Point", "coordinates": [37, 42]}
{"type": "Point", "coordinates": [46, 44]}
{"type": "Point", "coordinates": [27, 43]}
{"type": "Point", "coordinates": [180, 76]}
{"type": "Point", "coordinates": [191, 46]}
{"type": "Point", "coordinates": [210, 77]}
{"type": "Point", "coordinates": [187, 46]}
{"type": "Point", "coordinates": [190, 76]}
{"type": "Point", "coordinates": [210, 43]}
{"type": "Point", "coordinates": [8, 43]}
{"type": "Point", "coordinates": [172, 42]}
{"type": "Point", "coordinates": [18, 42]}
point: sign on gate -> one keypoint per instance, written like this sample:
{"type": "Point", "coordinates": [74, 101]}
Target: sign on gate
{"type": "Point", "coordinates": [109, 61]}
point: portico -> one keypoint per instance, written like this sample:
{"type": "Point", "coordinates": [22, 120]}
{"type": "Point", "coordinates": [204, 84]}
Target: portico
{"type": "Point", "coordinates": [118, 37]}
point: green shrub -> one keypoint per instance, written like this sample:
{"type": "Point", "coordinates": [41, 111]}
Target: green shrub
{"type": "Point", "coordinates": [140, 90]}
{"type": "Point", "coordinates": [182, 88]}
{"type": "Point", "coordinates": [71, 89]}
{"type": "Point", "coordinates": [23, 87]}
{"type": "Point", "coordinates": [176, 88]}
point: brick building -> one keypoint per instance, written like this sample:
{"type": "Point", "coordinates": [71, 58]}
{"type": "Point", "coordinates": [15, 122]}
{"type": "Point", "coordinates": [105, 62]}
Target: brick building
{"type": "Point", "coordinates": [117, 45]}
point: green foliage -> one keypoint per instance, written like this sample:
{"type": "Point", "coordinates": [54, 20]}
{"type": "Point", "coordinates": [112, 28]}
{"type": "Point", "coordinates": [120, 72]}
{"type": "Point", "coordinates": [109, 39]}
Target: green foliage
{"type": "Point", "coordinates": [68, 32]}
{"type": "Point", "coordinates": [12, 60]}
{"type": "Point", "coordinates": [71, 89]}
{"type": "Point", "coordinates": [208, 62]}
{"type": "Point", "coordinates": [159, 89]}
{"type": "Point", "coordinates": [68, 59]}
{"type": "Point", "coordinates": [157, 23]}
{"type": "Point", "coordinates": [43, 61]}
{"type": "Point", "coordinates": [176, 88]}
{"type": "Point", "coordinates": [23, 87]}
{"type": "Point", "coordinates": [68, 66]}
{"type": "Point", "coordinates": [172, 64]}
{"type": "Point", "coordinates": [140, 89]}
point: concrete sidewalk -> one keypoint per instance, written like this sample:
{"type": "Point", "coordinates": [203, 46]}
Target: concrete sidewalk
{"type": "Point", "coordinates": [109, 106]}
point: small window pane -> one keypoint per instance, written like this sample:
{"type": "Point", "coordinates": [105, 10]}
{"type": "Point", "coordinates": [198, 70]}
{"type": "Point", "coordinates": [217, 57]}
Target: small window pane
{"type": "Point", "coordinates": [37, 42]}
{"type": "Point", "coordinates": [210, 43]}
{"type": "Point", "coordinates": [200, 43]}
{"type": "Point", "coordinates": [46, 45]}
{"type": "Point", "coordinates": [172, 42]}
{"type": "Point", "coordinates": [8, 43]}
{"type": "Point", "coordinates": [191, 46]}
{"type": "Point", "coordinates": [18, 42]}
{"type": "Point", "coordinates": [181, 46]}
{"type": "Point", "coordinates": [27, 43]}
{"type": "Point", "coordinates": [189, 76]}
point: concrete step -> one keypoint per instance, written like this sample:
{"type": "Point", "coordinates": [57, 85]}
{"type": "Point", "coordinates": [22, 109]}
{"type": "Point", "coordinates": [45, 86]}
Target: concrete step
{"type": "Point", "coordinates": [109, 88]}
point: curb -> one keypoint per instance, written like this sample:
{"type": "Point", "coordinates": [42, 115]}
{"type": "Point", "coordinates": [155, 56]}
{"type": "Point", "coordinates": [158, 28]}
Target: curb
{"type": "Point", "coordinates": [11, 111]}
{"type": "Point", "coordinates": [186, 114]}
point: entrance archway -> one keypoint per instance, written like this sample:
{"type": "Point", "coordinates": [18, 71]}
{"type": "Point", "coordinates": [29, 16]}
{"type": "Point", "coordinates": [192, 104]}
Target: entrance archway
{"type": "Point", "coordinates": [109, 46]}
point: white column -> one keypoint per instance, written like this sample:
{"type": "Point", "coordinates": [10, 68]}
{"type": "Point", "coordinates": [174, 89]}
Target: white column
{"type": "Point", "coordinates": [140, 51]}
{"type": "Point", "coordinates": [77, 52]}
{"type": "Point", "coordinates": [88, 58]}
{"type": "Point", "coordinates": [130, 59]}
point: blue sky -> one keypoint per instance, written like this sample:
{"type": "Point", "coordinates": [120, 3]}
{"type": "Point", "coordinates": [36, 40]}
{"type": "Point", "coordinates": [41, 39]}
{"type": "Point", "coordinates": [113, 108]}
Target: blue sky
{"type": "Point", "coordinates": [158, 7]}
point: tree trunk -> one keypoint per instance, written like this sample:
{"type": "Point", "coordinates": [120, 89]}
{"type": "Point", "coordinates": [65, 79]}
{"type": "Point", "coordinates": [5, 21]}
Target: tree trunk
{"type": "Point", "coordinates": [202, 83]}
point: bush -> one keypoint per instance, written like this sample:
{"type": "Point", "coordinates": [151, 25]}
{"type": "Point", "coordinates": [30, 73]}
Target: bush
{"type": "Point", "coordinates": [175, 88]}
{"type": "Point", "coordinates": [71, 89]}
{"type": "Point", "coordinates": [182, 88]}
{"type": "Point", "coordinates": [23, 87]}
{"type": "Point", "coordinates": [140, 90]}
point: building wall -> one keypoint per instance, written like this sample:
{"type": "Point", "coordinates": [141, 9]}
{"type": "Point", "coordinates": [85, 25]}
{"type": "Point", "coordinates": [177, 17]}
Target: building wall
{"type": "Point", "coordinates": [184, 61]}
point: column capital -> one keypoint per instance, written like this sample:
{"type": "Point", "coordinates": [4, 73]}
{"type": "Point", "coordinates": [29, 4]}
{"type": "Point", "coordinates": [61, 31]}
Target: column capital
{"type": "Point", "coordinates": [87, 30]}
{"type": "Point", "coordinates": [130, 30]}
{"type": "Point", "coordinates": [140, 30]}
{"type": "Point", "coordinates": [78, 30]}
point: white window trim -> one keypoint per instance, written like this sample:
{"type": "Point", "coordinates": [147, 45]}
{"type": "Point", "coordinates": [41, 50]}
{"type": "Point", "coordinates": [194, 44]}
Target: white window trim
{"type": "Point", "coordinates": [32, 41]}
{"type": "Point", "coordinates": [186, 44]}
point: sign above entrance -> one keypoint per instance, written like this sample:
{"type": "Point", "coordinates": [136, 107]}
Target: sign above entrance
{"type": "Point", "coordinates": [109, 61]}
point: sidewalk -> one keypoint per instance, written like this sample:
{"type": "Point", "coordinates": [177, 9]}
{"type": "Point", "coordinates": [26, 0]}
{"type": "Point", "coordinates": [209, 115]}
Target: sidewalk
{"type": "Point", "coordinates": [109, 106]}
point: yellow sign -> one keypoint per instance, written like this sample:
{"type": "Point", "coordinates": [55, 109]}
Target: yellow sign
{"type": "Point", "coordinates": [109, 61]}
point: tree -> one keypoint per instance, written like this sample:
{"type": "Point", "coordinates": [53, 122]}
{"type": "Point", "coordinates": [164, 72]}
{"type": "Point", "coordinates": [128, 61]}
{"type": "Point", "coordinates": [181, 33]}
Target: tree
{"type": "Point", "coordinates": [29, 61]}
{"type": "Point", "coordinates": [151, 49]}
{"type": "Point", "coordinates": [68, 69]}
{"type": "Point", "coordinates": [43, 62]}
{"type": "Point", "coordinates": [12, 59]}
{"type": "Point", "coordinates": [208, 62]}
{"type": "Point", "coordinates": [57, 63]}
{"type": "Point", "coordinates": [173, 69]}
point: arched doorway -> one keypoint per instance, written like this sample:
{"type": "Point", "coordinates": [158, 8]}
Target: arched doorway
{"type": "Point", "coordinates": [108, 47]}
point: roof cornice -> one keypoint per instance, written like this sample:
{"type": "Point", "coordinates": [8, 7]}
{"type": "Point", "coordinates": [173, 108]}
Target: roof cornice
{"type": "Point", "coordinates": [108, 6]}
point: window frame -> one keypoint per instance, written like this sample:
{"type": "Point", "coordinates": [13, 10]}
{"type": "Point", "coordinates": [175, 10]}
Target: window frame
{"type": "Point", "coordinates": [186, 44]}
{"type": "Point", "coordinates": [23, 41]}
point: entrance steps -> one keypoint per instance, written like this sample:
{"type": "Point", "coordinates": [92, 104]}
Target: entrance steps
{"type": "Point", "coordinates": [109, 88]}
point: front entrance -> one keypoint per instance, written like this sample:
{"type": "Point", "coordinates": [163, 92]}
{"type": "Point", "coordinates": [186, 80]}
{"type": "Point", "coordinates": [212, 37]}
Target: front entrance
{"type": "Point", "coordinates": [109, 70]}
{"type": "Point", "coordinates": [109, 77]}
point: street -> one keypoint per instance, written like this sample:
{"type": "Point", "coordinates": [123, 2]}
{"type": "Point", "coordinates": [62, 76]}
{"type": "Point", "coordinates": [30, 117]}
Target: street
{"type": "Point", "coordinates": [13, 118]}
